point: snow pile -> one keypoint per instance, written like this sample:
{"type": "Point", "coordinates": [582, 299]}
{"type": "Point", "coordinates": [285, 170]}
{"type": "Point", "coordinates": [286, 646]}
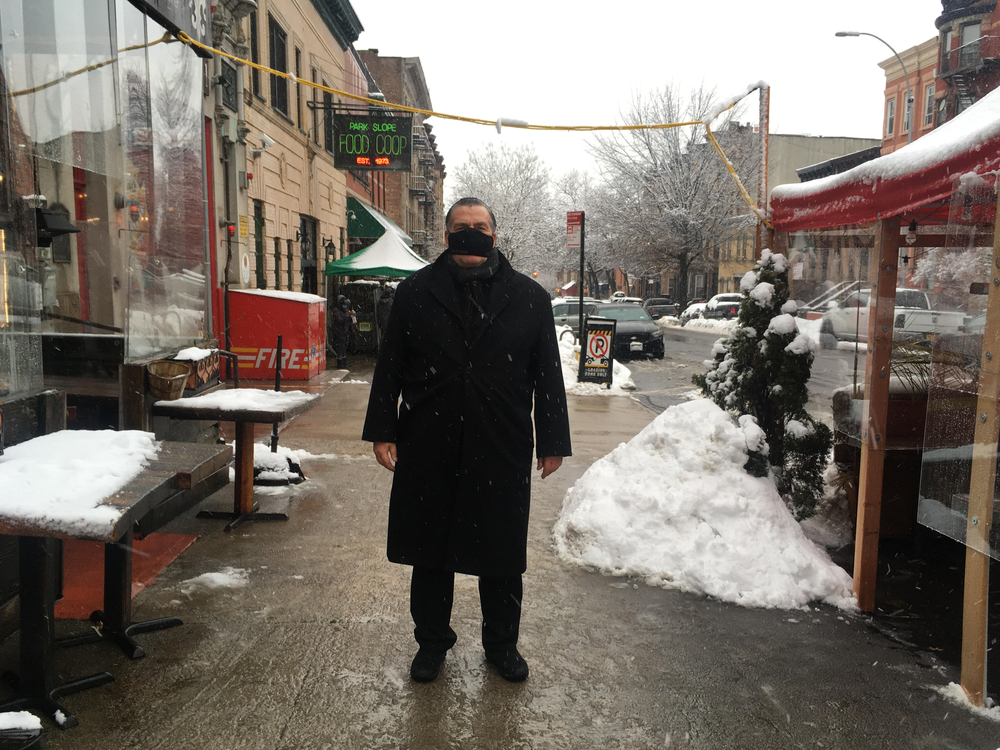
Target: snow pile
{"type": "Point", "coordinates": [675, 506]}
{"type": "Point", "coordinates": [244, 399]}
{"type": "Point", "coordinates": [59, 481]}
{"type": "Point", "coordinates": [19, 720]}
{"type": "Point", "coordinates": [669, 321]}
{"type": "Point", "coordinates": [621, 377]}
{"type": "Point", "coordinates": [713, 325]}
{"type": "Point", "coordinates": [227, 578]}
{"type": "Point", "coordinates": [278, 467]}
{"type": "Point", "coordinates": [955, 694]}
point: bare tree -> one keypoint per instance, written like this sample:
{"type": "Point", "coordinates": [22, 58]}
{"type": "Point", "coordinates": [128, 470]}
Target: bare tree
{"type": "Point", "coordinates": [673, 202]}
{"type": "Point", "coordinates": [515, 183]}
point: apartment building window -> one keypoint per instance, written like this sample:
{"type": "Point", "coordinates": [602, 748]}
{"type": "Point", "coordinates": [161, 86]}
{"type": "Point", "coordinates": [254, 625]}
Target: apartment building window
{"type": "Point", "coordinates": [278, 57]}
{"type": "Point", "coordinates": [298, 88]}
{"type": "Point", "coordinates": [254, 56]}
{"type": "Point", "coordinates": [929, 105]}
{"type": "Point", "coordinates": [890, 116]}
{"type": "Point", "coordinates": [327, 120]}
{"type": "Point", "coordinates": [946, 51]}
{"type": "Point", "coordinates": [907, 115]}
{"type": "Point", "coordinates": [258, 242]}
{"type": "Point", "coordinates": [315, 114]}
{"type": "Point", "coordinates": [968, 55]}
{"type": "Point", "coordinates": [277, 263]}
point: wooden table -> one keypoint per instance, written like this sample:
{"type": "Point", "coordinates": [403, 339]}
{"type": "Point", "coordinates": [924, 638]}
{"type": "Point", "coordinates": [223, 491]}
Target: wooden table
{"type": "Point", "coordinates": [282, 409]}
{"type": "Point", "coordinates": [163, 490]}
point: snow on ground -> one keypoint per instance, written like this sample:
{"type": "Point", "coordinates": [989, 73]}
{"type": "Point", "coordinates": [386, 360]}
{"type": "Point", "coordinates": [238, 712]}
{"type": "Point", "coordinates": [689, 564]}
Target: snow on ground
{"type": "Point", "coordinates": [19, 720]}
{"type": "Point", "coordinates": [954, 693]}
{"type": "Point", "coordinates": [58, 481]}
{"type": "Point", "coordinates": [227, 578]}
{"type": "Point", "coordinates": [621, 377]}
{"type": "Point", "coordinates": [675, 506]}
{"type": "Point", "coordinates": [276, 466]}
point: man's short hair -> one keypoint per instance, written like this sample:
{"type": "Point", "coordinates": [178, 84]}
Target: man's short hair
{"type": "Point", "coordinates": [470, 202]}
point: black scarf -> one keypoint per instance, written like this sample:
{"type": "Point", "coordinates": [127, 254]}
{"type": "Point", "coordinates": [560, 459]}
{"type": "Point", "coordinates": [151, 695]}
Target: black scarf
{"type": "Point", "coordinates": [474, 287]}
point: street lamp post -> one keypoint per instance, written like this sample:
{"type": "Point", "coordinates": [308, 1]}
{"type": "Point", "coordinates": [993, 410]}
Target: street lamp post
{"type": "Point", "coordinates": [909, 92]}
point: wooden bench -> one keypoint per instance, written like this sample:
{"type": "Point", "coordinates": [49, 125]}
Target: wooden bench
{"type": "Point", "coordinates": [273, 407]}
{"type": "Point", "coordinates": [178, 478]}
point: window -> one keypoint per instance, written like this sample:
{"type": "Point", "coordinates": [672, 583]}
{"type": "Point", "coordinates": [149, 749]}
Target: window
{"type": "Point", "coordinates": [298, 88]}
{"type": "Point", "coordinates": [327, 120]}
{"type": "Point", "coordinates": [907, 115]}
{"type": "Point", "coordinates": [254, 55]}
{"type": "Point", "coordinates": [890, 116]}
{"type": "Point", "coordinates": [315, 115]}
{"type": "Point", "coordinates": [929, 105]}
{"type": "Point", "coordinates": [277, 263]}
{"type": "Point", "coordinates": [946, 51]}
{"type": "Point", "coordinates": [278, 57]}
{"type": "Point", "coordinates": [968, 55]}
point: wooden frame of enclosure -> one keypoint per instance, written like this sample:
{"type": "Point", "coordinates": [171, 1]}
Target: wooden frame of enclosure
{"type": "Point", "coordinates": [888, 241]}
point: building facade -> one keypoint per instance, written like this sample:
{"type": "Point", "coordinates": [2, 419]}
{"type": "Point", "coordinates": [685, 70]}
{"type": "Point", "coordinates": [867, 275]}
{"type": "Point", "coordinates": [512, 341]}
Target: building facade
{"type": "Point", "coordinates": [901, 122]}
{"type": "Point", "coordinates": [296, 199]}
{"type": "Point", "coordinates": [969, 68]}
{"type": "Point", "coordinates": [413, 200]}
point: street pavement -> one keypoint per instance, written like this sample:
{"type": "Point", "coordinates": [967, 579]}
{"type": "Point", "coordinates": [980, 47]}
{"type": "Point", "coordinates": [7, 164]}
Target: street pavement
{"type": "Point", "coordinates": [314, 651]}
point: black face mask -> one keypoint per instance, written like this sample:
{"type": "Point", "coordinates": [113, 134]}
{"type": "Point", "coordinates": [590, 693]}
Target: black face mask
{"type": "Point", "coordinates": [470, 241]}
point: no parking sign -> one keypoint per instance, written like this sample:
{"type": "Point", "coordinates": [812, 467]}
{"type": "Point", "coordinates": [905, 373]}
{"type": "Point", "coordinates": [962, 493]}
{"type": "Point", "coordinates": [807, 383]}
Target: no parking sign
{"type": "Point", "coordinates": [597, 351]}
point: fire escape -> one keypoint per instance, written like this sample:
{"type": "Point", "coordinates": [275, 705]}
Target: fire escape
{"type": "Point", "coordinates": [422, 188]}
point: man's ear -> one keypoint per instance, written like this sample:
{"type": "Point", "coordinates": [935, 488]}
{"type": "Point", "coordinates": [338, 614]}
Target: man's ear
{"type": "Point", "coordinates": [447, 234]}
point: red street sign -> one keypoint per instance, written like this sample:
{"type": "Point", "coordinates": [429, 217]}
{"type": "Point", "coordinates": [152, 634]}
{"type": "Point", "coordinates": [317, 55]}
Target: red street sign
{"type": "Point", "coordinates": [574, 223]}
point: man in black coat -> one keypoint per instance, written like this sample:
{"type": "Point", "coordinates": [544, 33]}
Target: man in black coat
{"type": "Point", "coordinates": [469, 344]}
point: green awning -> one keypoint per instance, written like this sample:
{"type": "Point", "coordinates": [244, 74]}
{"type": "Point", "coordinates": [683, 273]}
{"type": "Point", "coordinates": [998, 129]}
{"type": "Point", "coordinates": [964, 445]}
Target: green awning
{"type": "Point", "coordinates": [366, 222]}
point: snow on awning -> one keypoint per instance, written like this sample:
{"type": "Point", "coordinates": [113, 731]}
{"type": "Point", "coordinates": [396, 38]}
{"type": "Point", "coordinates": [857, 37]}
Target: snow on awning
{"type": "Point", "coordinates": [922, 173]}
{"type": "Point", "coordinates": [567, 287]}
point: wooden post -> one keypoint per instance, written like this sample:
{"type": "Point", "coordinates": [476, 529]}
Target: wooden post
{"type": "Point", "coordinates": [765, 236]}
{"type": "Point", "coordinates": [981, 490]}
{"type": "Point", "coordinates": [243, 491]}
{"type": "Point", "coordinates": [880, 326]}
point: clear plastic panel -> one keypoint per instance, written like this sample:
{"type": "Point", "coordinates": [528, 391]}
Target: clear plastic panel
{"type": "Point", "coordinates": [956, 275]}
{"type": "Point", "coordinates": [164, 189]}
{"type": "Point", "coordinates": [59, 58]}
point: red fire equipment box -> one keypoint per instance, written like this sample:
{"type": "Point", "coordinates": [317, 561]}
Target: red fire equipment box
{"type": "Point", "coordinates": [258, 316]}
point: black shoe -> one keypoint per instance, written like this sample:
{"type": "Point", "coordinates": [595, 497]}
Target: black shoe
{"type": "Point", "coordinates": [510, 664]}
{"type": "Point", "coordinates": [426, 666]}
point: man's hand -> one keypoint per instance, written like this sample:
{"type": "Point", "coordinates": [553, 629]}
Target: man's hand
{"type": "Point", "coordinates": [546, 465]}
{"type": "Point", "coordinates": [385, 454]}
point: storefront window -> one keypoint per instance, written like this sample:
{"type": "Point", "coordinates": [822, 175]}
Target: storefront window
{"type": "Point", "coordinates": [102, 125]}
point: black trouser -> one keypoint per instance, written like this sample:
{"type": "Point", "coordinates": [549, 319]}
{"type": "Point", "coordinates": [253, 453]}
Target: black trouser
{"type": "Point", "coordinates": [431, 594]}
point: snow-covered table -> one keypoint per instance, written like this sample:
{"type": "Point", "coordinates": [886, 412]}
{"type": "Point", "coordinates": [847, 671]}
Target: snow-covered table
{"type": "Point", "coordinates": [99, 486]}
{"type": "Point", "coordinates": [245, 407]}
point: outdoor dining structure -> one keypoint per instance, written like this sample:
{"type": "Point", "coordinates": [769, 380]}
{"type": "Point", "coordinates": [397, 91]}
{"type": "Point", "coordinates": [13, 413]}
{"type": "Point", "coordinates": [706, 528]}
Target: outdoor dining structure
{"type": "Point", "coordinates": [931, 209]}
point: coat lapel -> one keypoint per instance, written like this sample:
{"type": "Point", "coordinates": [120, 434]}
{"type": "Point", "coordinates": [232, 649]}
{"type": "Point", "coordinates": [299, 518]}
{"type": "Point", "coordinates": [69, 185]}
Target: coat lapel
{"type": "Point", "coordinates": [501, 292]}
{"type": "Point", "coordinates": [443, 288]}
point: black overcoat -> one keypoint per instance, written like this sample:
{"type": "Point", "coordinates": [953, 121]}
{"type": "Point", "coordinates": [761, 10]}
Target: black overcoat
{"type": "Point", "coordinates": [462, 429]}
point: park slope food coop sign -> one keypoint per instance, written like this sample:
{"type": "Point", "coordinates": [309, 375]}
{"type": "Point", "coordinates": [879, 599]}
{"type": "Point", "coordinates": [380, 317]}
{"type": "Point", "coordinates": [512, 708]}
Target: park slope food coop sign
{"type": "Point", "coordinates": [372, 142]}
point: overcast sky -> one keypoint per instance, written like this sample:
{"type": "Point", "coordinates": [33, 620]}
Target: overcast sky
{"type": "Point", "coordinates": [581, 63]}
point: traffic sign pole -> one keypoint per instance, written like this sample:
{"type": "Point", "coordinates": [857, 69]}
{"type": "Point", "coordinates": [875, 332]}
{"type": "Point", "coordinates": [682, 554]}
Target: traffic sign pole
{"type": "Point", "coordinates": [579, 282]}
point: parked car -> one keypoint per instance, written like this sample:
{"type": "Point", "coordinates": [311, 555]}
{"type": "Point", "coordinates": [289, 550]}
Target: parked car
{"type": "Point", "coordinates": [620, 297]}
{"type": "Point", "coordinates": [913, 317]}
{"type": "Point", "coordinates": [568, 314]}
{"type": "Point", "coordinates": [694, 310]}
{"type": "Point", "coordinates": [655, 301]}
{"type": "Point", "coordinates": [725, 305]}
{"type": "Point", "coordinates": [636, 335]}
{"type": "Point", "coordinates": [662, 311]}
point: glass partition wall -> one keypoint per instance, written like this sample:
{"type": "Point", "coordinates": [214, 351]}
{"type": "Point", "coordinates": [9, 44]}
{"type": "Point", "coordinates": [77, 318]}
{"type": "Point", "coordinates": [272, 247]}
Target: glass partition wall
{"type": "Point", "coordinates": [102, 125]}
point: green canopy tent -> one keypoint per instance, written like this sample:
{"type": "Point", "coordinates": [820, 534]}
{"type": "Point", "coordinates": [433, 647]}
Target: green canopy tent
{"type": "Point", "coordinates": [389, 255]}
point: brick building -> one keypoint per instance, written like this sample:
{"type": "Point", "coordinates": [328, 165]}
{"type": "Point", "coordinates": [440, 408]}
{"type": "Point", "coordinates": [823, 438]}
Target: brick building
{"type": "Point", "coordinates": [969, 34]}
{"type": "Point", "coordinates": [921, 64]}
{"type": "Point", "coordinates": [413, 200]}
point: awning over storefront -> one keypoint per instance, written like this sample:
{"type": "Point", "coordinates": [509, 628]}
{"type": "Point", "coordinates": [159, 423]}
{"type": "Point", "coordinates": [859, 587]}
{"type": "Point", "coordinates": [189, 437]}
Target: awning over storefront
{"type": "Point", "coordinates": [920, 175]}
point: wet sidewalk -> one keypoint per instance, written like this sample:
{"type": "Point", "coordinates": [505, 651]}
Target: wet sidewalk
{"type": "Point", "coordinates": [313, 651]}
